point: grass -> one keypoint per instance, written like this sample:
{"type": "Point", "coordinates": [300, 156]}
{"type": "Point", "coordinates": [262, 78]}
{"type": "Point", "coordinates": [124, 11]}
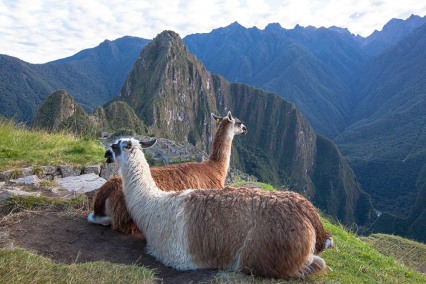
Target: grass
{"type": "Point", "coordinates": [411, 253]}
{"type": "Point", "coordinates": [261, 185]}
{"type": "Point", "coordinates": [21, 266]}
{"type": "Point", "coordinates": [21, 202]}
{"type": "Point", "coordinates": [20, 147]}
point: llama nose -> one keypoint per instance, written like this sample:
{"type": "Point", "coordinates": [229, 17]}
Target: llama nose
{"type": "Point", "coordinates": [244, 129]}
{"type": "Point", "coordinates": [109, 155]}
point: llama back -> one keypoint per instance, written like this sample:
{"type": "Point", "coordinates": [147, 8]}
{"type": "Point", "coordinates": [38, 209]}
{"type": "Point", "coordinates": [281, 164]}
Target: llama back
{"type": "Point", "coordinates": [188, 175]}
{"type": "Point", "coordinates": [248, 229]}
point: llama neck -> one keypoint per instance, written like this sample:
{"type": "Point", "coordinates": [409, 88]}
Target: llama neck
{"type": "Point", "coordinates": [136, 175]}
{"type": "Point", "coordinates": [222, 144]}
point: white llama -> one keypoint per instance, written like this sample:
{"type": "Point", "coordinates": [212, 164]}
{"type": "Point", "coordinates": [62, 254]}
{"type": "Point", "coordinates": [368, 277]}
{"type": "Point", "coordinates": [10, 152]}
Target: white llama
{"type": "Point", "coordinates": [250, 230]}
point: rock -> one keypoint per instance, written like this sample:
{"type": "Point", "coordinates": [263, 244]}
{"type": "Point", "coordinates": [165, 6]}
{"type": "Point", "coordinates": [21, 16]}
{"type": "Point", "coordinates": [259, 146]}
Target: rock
{"type": "Point", "coordinates": [109, 170]}
{"type": "Point", "coordinates": [83, 183]}
{"type": "Point", "coordinates": [2, 183]}
{"type": "Point", "coordinates": [14, 191]}
{"type": "Point", "coordinates": [6, 175]}
{"type": "Point", "coordinates": [27, 172]}
{"type": "Point", "coordinates": [67, 171]}
{"type": "Point", "coordinates": [49, 170]}
{"type": "Point", "coordinates": [32, 180]}
{"type": "Point", "coordinates": [95, 169]}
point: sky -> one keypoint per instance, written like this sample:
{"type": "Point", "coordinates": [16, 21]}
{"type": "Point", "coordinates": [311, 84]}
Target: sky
{"type": "Point", "coordinates": [38, 31]}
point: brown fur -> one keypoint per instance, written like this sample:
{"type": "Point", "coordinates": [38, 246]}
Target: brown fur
{"type": "Point", "coordinates": [109, 191]}
{"type": "Point", "coordinates": [270, 232]}
{"type": "Point", "coordinates": [210, 174]}
{"type": "Point", "coordinates": [311, 213]}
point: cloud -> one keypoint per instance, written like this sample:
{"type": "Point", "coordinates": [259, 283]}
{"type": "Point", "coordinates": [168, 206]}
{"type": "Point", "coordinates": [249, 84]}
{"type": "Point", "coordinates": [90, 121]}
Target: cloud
{"type": "Point", "coordinates": [43, 30]}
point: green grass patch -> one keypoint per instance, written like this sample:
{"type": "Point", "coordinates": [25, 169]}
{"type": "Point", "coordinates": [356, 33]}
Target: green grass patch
{"type": "Point", "coordinates": [261, 185]}
{"type": "Point", "coordinates": [22, 266]}
{"type": "Point", "coordinates": [21, 147]}
{"type": "Point", "coordinates": [411, 253]}
{"type": "Point", "coordinates": [351, 261]}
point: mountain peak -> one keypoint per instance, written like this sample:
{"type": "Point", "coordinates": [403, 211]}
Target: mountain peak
{"type": "Point", "coordinates": [167, 40]}
{"type": "Point", "coordinates": [392, 32]}
{"type": "Point", "coordinates": [167, 34]}
{"type": "Point", "coordinates": [56, 109]}
{"type": "Point", "coordinates": [235, 25]}
{"type": "Point", "coordinates": [339, 30]}
{"type": "Point", "coordinates": [273, 27]}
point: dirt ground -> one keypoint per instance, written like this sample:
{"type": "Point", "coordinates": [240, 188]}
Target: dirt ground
{"type": "Point", "coordinates": [69, 238]}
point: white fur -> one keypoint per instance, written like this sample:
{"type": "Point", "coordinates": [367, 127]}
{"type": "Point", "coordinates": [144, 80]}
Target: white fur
{"type": "Point", "coordinates": [102, 220]}
{"type": "Point", "coordinates": [159, 216]}
{"type": "Point", "coordinates": [329, 243]}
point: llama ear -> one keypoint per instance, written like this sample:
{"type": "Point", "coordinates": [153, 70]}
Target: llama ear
{"type": "Point", "coordinates": [217, 118]}
{"type": "Point", "coordinates": [229, 116]}
{"type": "Point", "coordinates": [148, 144]}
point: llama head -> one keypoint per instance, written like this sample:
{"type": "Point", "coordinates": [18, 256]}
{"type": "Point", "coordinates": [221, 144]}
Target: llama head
{"type": "Point", "coordinates": [231, 122]}
{"type": "Point", "coordinates": [125, 144]}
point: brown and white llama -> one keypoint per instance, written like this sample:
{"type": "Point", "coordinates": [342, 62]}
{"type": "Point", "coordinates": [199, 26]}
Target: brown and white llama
{"type": "Point", "coordinates": [250, 230]}
{"type": "Point", "coordinates": [109, 207]}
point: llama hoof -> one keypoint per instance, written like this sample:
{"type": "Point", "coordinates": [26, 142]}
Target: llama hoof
{"type": "Point", "coordinates": [101, 220]}
{"type": "Point", "coordinates": [317, 265]}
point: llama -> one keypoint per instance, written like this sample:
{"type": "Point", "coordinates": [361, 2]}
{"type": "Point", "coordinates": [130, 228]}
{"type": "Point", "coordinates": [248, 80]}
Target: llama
{"type": "Point", "coordinates": [254, 231]}
{"type": "Point", "coordinates": [109, 207]}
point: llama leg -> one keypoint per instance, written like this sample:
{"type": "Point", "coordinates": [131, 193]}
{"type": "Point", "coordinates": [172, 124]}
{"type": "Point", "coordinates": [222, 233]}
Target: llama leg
{"type": "Point", "coordinates": [105, 220]}
{"type": "Point", "coordinates": [315, 267]}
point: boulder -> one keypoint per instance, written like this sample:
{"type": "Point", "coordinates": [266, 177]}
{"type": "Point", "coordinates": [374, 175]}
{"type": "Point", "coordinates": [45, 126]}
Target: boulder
{"type": "Point", "coordinates": [32, 180]}
{"type": "Point", "coordinates": [95, 169]}
{"type": "Point", "coordinates": [14, 191]}
{"type": "Point", "coordinates": [49, 170]}
{"type": "Point", "coordinates": [81, 184]}
{"type": "Point", "coordinates": [109, 170]}
{"type": "Point", "coordinates": [67, 171]}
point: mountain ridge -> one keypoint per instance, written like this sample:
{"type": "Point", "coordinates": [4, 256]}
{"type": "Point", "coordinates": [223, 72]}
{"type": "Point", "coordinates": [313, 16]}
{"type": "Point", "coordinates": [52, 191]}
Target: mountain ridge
{"type": "Point", "coordinates": [93, 76]}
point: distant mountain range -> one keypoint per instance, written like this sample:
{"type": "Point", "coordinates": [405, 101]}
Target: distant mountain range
{"type": "Point", "coordinates": [94, 76]}
{"type": "Point", "coordinates": [367, 94]}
